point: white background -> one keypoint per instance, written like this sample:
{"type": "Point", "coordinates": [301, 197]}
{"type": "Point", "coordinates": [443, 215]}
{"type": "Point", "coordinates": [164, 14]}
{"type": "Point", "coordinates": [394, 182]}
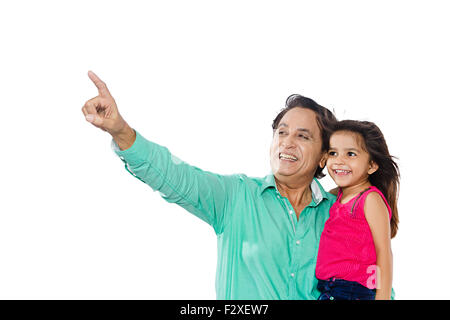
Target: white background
{"type": "Point", "coordinates": [205, 79]}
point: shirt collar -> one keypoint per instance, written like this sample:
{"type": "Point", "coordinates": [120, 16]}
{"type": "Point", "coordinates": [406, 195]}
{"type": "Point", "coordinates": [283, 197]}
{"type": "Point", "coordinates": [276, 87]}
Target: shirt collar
{"type": "Point", "coordinates": [318, 193]}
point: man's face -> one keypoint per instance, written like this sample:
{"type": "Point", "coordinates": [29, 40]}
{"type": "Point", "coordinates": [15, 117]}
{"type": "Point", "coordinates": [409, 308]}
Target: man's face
{"type": "Point", "coordinates": [296, 146]}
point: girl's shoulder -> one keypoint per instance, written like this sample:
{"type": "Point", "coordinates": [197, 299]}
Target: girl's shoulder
{"type": "Point", "coordinates": [373, 198]}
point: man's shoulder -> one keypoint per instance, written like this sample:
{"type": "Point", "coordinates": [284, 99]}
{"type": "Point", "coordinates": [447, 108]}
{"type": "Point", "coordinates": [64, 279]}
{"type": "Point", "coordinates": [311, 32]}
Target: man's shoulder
{"type": "Point", "coordinates": [331, 196]}
{"type": "Point", "coordinates": [330, 199]}
{"type": "Point", "coordinates": [243, 179]}
{"type": "Point", "coordinates": [254, 183]}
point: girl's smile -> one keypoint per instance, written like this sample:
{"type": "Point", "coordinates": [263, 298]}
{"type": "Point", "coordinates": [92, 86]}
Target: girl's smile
{"type": "Point", "coordinates": [341, 172]}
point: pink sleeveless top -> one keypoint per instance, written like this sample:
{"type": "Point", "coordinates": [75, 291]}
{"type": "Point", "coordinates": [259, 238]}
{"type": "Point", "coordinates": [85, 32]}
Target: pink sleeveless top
{"type": "Point", "coordinates": [346, 249]}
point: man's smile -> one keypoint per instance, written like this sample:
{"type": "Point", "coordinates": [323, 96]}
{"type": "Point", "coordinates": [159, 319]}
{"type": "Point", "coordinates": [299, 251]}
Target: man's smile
{"type": "Point", "coordinates": [287, 157]}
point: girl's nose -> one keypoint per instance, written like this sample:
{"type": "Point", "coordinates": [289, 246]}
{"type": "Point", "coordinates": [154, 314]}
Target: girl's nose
{"type": "Point", "coordinates": [338, 160]}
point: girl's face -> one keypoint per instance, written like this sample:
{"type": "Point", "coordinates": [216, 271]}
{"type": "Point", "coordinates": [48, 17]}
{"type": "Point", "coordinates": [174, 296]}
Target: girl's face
{"type": "Point", "coordinates": [347, 162]}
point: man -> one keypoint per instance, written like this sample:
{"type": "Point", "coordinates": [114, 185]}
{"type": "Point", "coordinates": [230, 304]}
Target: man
{"type": "Point", "coordinates": [268, 229]}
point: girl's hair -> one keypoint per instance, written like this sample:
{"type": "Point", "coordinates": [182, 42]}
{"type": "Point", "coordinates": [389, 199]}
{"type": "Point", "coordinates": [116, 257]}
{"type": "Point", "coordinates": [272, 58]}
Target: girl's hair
{"type": "Point", "coordinates": [387, 177]}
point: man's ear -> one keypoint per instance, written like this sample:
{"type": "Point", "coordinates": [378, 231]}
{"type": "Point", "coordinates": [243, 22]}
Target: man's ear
{"type": "Point", "coordinates": [373, 166]}
{"type": "Point", "coordinates": [323, 160]}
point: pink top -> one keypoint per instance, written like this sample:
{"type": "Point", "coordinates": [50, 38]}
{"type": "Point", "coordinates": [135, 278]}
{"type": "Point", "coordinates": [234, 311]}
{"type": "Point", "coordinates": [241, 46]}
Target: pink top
{"type": "Point", "coordinates": [346, 249]}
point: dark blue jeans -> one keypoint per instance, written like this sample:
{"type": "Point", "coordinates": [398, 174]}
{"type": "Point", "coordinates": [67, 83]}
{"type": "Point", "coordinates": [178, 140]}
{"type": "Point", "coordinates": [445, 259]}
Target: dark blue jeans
{"type": "Point", "coordinates": [337, 289]}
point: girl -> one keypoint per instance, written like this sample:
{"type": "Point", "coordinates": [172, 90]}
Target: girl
{"type": "Point", "coordinates": [355, 252]}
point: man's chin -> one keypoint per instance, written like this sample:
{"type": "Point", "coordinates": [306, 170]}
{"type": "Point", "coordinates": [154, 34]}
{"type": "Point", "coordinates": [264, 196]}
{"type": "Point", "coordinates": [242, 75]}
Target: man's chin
{"type": "Point", "coordinates": [284, 170]}
{"type": "Point", "coordinates": [287, 174]}
{"type": "Point", "coordinates": [292, 176]}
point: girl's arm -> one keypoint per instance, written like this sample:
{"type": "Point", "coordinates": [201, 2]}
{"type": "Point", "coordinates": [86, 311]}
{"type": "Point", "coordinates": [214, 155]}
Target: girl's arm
{"type": "Point", "coordinates": [377, 215]}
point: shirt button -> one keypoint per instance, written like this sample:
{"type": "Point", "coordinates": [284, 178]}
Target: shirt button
{"type": "Point", "coordinates": [292, 275]}
{"type": "Point", "coordinates": [291, 212]}
{"type": "Point", "coordinates": [297, 242]}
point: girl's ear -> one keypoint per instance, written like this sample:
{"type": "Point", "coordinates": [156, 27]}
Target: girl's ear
{"type": "Point", "coordinates": [323, 160]}
{"type": "Point", "coordinates": [373, 166]}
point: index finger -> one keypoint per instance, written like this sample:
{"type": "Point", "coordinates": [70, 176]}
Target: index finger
{"type": "Point", "coordinates": [101, 86]}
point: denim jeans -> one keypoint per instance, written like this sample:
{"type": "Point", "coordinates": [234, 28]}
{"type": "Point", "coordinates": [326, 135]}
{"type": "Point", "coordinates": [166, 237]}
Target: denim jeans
{"type": "Point", "coordinates": [338, 289]}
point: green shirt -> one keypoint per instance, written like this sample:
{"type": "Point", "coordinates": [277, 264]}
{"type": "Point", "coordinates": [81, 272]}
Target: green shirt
{"type": "Point", "coordinates": [263, 251]}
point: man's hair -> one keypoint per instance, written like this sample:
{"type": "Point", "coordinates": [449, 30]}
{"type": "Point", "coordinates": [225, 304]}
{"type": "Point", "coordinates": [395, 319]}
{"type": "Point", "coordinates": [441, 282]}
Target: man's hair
{"type": "Point", "coordinates": [324, 117]}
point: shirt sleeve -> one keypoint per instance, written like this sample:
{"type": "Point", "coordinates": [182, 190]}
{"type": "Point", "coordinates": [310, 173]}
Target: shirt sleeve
{"type": "Point", "coordinates": [206, 195]}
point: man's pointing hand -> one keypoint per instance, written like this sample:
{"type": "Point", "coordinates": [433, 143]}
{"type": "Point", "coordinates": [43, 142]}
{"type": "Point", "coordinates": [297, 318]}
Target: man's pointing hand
{"type": "Point", "coordinates": [102, 110]}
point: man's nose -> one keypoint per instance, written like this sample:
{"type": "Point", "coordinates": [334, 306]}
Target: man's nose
{"type": "Point", "coordinates": [288, 142]}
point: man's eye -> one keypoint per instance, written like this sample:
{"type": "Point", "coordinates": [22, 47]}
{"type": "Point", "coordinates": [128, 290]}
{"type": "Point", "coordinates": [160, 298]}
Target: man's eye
{"type": "Point", "coordinates": [303, 136]}
{"type": "Point", "coordinates": [281, 132]}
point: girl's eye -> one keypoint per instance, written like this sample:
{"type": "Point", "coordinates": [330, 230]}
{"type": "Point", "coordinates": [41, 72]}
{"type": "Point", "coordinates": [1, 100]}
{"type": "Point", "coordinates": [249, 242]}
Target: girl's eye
{"type": "Point", "coordinates": [351, 154]}
{"type": "Point", "coordinates": [332, 153]}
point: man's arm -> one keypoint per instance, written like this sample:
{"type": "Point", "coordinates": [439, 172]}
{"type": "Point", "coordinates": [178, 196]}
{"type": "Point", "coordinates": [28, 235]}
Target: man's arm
{"type": "Point", "coordinates": [206, 195]}
{"type": "Point", "coordinates": [125, 138]}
